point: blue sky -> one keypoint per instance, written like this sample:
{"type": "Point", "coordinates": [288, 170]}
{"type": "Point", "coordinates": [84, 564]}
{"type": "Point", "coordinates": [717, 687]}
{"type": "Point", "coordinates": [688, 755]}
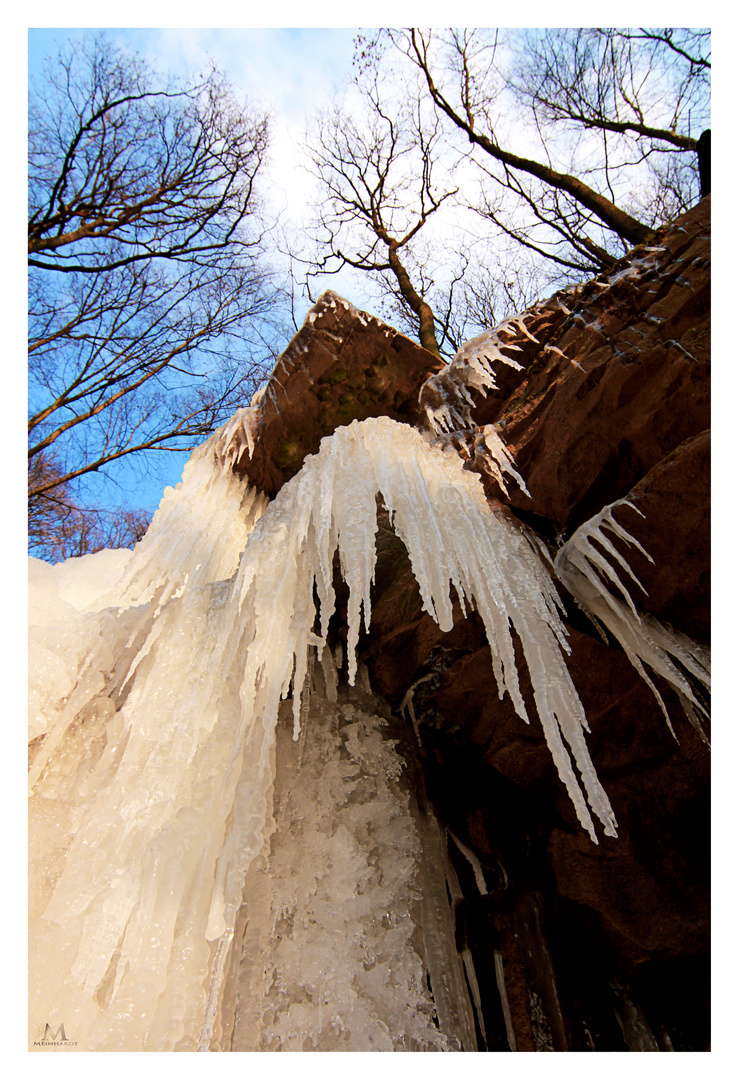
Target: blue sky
{"type": "Point", "coordinates": [285, 69]}
{"type": "Point", "coordinates": [291, 73]}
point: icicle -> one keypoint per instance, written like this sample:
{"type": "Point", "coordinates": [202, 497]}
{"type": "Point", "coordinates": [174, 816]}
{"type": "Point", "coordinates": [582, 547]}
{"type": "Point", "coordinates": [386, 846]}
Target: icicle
{"type": "Point", "coordinates": [446, 400]}
{"type": "Point", "coordinates": [590, 577]}
{"type": "Point", "coordinates": [497, 458]}
{"type": "Point", "coordinates": [443, 962]}
{"type": "Point", "coordinates": [558, 352]}
{"type": "Point", "coordinates": [200, 528]}
{"type": "Point", "coordinates": [503, 992]}
{"type": "Point", "coordinates": [453, 538]}
{"type": "Point", "coordinates": [474, 862]}
{"type": "Point", "coordinates": [329, 675]}
{"type": "Point", "coordinates": [406, 707]}
{"type": "Point", "coordinates": [152, 796]}
{"type": "Point", "coordinates": [237, 437]}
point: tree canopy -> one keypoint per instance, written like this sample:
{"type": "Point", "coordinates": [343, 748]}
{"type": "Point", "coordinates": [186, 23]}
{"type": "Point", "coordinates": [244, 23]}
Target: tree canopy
{"type": "Point", "coordinates": [461, 175]}
{"type": "Point", "coordinates": [552, 151]}
{"type": "Point", "coordinates": [150, 297]}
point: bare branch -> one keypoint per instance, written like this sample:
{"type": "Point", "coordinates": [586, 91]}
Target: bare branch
{"type": "Point", "coordinates": [378, 177]}
{"type": "Point", "coordinates": [151, 310]}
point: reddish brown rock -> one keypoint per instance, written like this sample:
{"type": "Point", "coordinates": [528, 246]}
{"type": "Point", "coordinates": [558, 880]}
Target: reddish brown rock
{"type": "Point", "coordinates": [604, 947]}
{"type": "Point", "coordinates": [342, 365]}
{"type": "Point", "coordinates": [675, 530]}
{"type": "Point", "coordinates": [623, 926]}
{"type": "Point", "coordinates": [632, 911]}
{"type": "Point", "coordinates": [622, 382]}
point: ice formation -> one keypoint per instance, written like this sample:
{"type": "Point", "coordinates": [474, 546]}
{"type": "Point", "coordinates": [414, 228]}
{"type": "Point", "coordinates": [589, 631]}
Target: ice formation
{"type": "Point", "coordinates": [238, 435]}
{"type": "Point", "coordinates": [339, 970]}
{"type": "Point", "coordinates": [446, 399]}
{"type": "Point", "coordinates": [496, 458]}
{"type": "Point", "coordinates": [58, 596]}
{"type": "Point", "coordinates": [585, 565]}
{"type": "Point", "coordinates": [199, 531]}
{"type": "Point", "coordinates": [152, 779]}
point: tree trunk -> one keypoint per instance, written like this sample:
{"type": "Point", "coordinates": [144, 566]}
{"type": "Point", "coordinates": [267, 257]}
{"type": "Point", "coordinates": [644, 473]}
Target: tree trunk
{"type": "Point", "coordinates": [426, 332]}
{"type": "Point", "coordinates": [617, 220]}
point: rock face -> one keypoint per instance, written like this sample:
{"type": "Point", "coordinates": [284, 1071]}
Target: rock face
{"type": "Point", "coordinates": [618, 383]}
{"type": "Point", "coordinates": [602, 947]}
{"type": "Point", "coordinates": [343, 365]}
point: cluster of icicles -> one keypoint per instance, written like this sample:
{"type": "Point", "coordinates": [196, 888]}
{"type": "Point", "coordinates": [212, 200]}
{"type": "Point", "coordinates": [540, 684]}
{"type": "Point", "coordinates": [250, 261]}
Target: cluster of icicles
{"type": "Point", "coordinates": [447, 399]}
{"type": "Point", "coordinates": [152, 772]}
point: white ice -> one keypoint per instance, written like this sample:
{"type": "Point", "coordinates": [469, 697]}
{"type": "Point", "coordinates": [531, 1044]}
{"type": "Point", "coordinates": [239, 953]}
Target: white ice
{"type": "Point", "coordinates": [152, 788]}
{"type": "Point", "coordinates": [340, 970]}
{"type": "Point", "coordinates": [446, 398]}
{"type": "Point", "coordinates": [591, 575]}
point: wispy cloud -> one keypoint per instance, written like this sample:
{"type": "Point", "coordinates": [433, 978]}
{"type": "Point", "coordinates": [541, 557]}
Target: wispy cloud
{"type": "Point", "coordinates": [288, 71]}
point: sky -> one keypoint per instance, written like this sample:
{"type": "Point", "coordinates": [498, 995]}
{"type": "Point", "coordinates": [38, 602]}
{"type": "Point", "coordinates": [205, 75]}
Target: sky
{"type": "Point", "coordinates": [287, 72]}
{"type": "Point", "coordinates": [290, 73]}
{"type": "Point", "coordinates": [282, 68]}
{"type": "Point", "coordinates": [288, 69]}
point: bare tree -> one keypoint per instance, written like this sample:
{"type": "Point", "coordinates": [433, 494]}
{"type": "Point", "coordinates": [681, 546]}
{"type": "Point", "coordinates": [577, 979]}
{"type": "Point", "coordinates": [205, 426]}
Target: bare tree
{"type": "Point", "coordinates": [615, 114]}
{"type": "Point", "coordinates": [377, 175]}
{"type": "Point", "coordinates": [150, 303]}
{"type": "Point", "coordinates": [495, 290]}
{"type": "Point", "coordinates": [637, 82]}
{"type": "Point", "coordinates": [644, 94]}
{"type": "Point", "coordinates": [59, 529]}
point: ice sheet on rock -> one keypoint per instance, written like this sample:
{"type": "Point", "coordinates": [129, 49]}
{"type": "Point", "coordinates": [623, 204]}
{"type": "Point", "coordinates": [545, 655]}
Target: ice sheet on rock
{"type": "Point", "coordinates": [593, 579]}
{"type": "Point", "coordinates": [71, 642]}
{"type": "Point", "coordinates": [134, 811]}
{"type": "Point", "coordinates": [197, 536]}
{"type": "Point", "coordinates": [154, 822]}
{"type": "Point", "coordinates": [84, 583]}
{"type": "Point", "coordinates": [446, 400]}
{"type": "Point", "coordinates": [152, 793]}
{"type": "Point", "coordinates": [341, 972]}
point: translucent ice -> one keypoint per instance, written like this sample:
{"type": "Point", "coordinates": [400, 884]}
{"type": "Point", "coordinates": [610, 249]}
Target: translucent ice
{"type": "Point", "coordinates": [340, 971]}
{"type": "Point", "coordinates": [446, 399]}
{"type": "Point", "coordinates": [199, 531]}
{"type": "Point", "coordinates": [587, 565]}
{"type": "Point", "coordinates": [151, 807]}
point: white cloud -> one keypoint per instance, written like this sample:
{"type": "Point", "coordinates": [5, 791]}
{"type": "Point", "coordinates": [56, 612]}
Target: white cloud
{"type": "Point", "coordinates": [289, 73]}
{"type": "Point", "coordinates": [284, 70]}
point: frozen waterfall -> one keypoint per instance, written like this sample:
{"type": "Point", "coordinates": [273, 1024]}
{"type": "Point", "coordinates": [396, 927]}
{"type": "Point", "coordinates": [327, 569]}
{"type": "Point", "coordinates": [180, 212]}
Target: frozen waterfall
{"type": "Point", "coordinates": [162, 851]}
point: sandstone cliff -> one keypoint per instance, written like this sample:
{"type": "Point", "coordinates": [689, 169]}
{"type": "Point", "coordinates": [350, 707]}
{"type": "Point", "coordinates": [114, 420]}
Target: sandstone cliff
{"type": "Point", "coordinates": [605, 947]}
